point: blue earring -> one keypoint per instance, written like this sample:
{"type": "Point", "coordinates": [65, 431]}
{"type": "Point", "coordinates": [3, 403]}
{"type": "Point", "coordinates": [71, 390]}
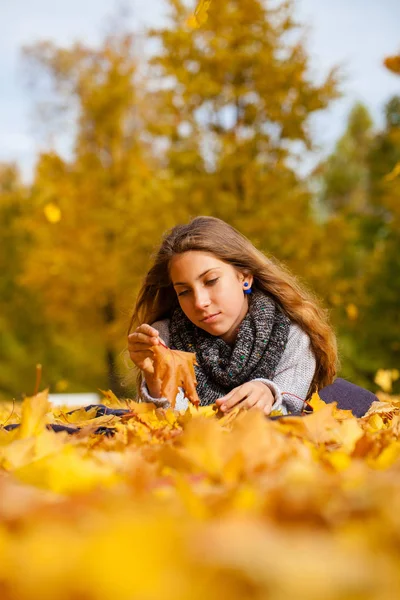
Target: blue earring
{"type": "Point", "coordinates": [246, 285]}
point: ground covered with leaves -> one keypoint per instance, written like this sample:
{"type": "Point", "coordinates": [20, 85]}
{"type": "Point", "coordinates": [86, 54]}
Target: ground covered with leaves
{"type": "Point", "coordinates": [157, 504]}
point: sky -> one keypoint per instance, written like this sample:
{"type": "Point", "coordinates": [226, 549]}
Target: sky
{"type": "Point", "coordinates": [355, 34]}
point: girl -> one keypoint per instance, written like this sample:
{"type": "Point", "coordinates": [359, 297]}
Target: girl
{"type": "Point", "coordinates": [260, 340]}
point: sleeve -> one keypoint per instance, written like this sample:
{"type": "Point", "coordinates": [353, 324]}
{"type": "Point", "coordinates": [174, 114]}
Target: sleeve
{"type": "Point", "coordinates": [294, 373]}
{"type": "Point", "coordinates": [181, 402]}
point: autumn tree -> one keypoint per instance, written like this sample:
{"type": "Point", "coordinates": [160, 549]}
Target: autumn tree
{"type": "Point", "coordinates": [358, 188]}
{"type": "Point", "coordinates": [26, 336]}
{"type": "Point", "coordinates": [345, 182]}
{"type": "Point", "coordinates": [99, 213]}
{"type": "Point", "coordinates": [235, 98]}
{"type": "Point", "coordinates": [382, 286]}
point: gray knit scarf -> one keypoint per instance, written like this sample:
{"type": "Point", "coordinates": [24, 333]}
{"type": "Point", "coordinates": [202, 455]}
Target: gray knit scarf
{"type": "Point", "coordinates": [259, 345]}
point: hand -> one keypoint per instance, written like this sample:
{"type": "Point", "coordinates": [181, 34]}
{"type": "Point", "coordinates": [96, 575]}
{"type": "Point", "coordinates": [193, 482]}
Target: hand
{"type": "Point", "coordinates": [139, 344]}
{"type": "Point", "coordinates": [253, 394]}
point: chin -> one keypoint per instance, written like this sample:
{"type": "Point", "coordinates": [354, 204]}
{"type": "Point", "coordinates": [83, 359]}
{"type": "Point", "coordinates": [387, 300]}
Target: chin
{"type": "Point", "coordinates": [215, 330]}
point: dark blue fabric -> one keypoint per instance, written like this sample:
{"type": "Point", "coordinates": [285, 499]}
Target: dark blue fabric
{"type": "Point", "coordinates": [348, 396]}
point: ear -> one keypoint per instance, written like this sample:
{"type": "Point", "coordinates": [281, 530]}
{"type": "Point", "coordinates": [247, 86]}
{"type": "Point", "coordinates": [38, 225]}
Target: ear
{"type": "Point", "coordinates": [249, 279]}
{"type": "Point", "coordinates": [246, 277]}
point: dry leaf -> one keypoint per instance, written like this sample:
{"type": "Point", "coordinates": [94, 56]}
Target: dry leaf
{"type": "Point", "coordinates": [175, 369]}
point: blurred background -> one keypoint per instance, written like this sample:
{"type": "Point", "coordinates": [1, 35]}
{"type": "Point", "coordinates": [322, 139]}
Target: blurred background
{"type": "Point", "coordinates": [118, 120]}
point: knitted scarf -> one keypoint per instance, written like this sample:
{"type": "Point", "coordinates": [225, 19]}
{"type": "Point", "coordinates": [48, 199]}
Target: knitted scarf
{"type": "Point", "coordinates": [258, 348]}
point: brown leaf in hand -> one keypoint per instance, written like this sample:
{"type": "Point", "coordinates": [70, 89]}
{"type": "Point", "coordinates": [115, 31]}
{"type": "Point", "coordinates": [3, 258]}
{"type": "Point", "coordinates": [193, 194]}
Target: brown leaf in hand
{"type": "Point", "coordinates": [175, 369]}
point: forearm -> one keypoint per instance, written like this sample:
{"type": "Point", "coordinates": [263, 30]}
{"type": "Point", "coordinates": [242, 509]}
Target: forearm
{"type": "Point", "coordinates": [153, 386]}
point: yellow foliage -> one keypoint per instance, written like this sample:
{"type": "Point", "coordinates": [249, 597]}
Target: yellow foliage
{"type": "Point", "coordinates": [192, 504]}
{"type": "Point", "coordinates": [352, 312]}
{"type": "Point", "coordinates": [394, 173]}
{"type": "Point", "coordinates": [385, 377]}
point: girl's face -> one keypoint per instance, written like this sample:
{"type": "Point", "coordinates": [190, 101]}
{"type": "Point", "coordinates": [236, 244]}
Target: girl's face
{"type": "Point", "coordinates": [210, 292]}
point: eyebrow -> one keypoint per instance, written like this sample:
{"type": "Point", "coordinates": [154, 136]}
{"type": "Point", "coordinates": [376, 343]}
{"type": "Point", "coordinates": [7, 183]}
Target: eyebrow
{"type": "Point", "coordinates": [199, 277]}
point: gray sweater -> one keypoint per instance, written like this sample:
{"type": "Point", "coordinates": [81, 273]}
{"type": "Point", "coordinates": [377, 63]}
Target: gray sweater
{"type": "Point", "coordinates": [289, 386]}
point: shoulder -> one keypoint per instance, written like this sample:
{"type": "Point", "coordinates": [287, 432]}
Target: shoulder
{"type": "Point", "coordinates": [162, 327]}
{"type": "Point", "coordinates": [298, 336]}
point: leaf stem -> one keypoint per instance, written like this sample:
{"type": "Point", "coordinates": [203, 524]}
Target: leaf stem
{"type": "Point", "coordinates": [38, 378]}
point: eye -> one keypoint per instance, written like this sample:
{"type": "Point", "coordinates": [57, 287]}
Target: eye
{"type": "Point", "coordinates": [183, 293]}
{"type": "Point", "coordinates": [212, 281]}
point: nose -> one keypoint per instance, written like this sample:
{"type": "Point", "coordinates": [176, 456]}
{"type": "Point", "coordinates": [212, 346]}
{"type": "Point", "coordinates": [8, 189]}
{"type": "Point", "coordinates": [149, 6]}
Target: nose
{"type": "Point", "coordinates": [201, 299]}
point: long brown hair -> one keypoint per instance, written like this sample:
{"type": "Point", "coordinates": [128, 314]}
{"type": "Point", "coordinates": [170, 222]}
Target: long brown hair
{"type": "Point", "coordinates": [157, 297]}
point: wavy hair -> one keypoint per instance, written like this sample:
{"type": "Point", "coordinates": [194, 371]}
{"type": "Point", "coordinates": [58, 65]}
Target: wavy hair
{"type": "Point", "coordinates": [157, 297]}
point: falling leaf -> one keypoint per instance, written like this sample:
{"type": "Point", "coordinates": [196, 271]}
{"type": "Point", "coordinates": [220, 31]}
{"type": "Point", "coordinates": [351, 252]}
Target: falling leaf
{"type": "Point", "coordinates": [175, 369]}
{"type": "Point", "coordinates": [393, 64]}
{"type": "Point", "coordinates": [52, 212]}
{"type": "Point", "coordinates": [200, 15]}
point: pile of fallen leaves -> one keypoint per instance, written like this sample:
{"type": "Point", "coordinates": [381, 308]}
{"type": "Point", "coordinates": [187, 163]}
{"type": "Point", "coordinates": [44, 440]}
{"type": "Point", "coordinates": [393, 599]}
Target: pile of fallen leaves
{"type": "Point", "coordinates": [149, 503]}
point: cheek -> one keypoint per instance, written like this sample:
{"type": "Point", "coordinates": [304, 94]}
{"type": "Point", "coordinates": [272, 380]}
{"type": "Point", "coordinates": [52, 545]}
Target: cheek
{"type": "Point", "coordinates": [233, 298]}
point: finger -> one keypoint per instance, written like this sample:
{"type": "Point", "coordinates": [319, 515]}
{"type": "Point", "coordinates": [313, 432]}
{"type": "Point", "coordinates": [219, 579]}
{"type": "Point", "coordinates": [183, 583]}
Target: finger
{"type": "Point", "coordinates": [147, 329]}
{"type": "Point", "coordinates": [225, 398]}
{"type": "Point", "coordinates": [263, 405]}
{"type": "Point", "coordinates": [252, 400]}
{"type": "Point", "coordinates": [139, 357]}
{"type": "Point", "coordinates": [143, 335]}
{"type": "Point", "coordinates": [268, 407]}
{"type": "Point", "coordinates": [143, 338]}
{"type": "Point", "coordinates": [241, 393]}
{"type": "Point", "coordinates": [139, 353]}
{"type": "Point", "coordinates": [260, 404]}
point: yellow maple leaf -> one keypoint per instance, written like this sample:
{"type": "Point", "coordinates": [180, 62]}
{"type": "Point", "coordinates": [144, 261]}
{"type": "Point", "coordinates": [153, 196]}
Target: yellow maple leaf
{"type": "Point", "coordinates": [200, 15]}
{"type": "Point", "coordinates": [349, 434]}
{"type": "Point", "coordinates": [33, 415]}
{"type": "Point", "coordinates": [321, 426]}
{"type": "Point", "coordinates": [67, 471]}
{"type": "Point", "coordinates": [375, 423]}
{"type": "Point", "coordinates": [316, 402]}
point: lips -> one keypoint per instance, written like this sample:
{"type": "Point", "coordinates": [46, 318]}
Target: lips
{"type": "Point", "coordinates": [209, 318]}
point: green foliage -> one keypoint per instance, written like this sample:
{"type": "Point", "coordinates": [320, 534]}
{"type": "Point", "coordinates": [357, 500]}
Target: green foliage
{"type": "Point", "coordinates": [360, 187]}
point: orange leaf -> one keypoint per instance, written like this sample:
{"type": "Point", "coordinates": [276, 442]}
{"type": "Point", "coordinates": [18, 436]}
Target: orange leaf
{"type": "Point", "coordinates": [393, 64]}
{"type": "Point", "coordinates": [174, 369]}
